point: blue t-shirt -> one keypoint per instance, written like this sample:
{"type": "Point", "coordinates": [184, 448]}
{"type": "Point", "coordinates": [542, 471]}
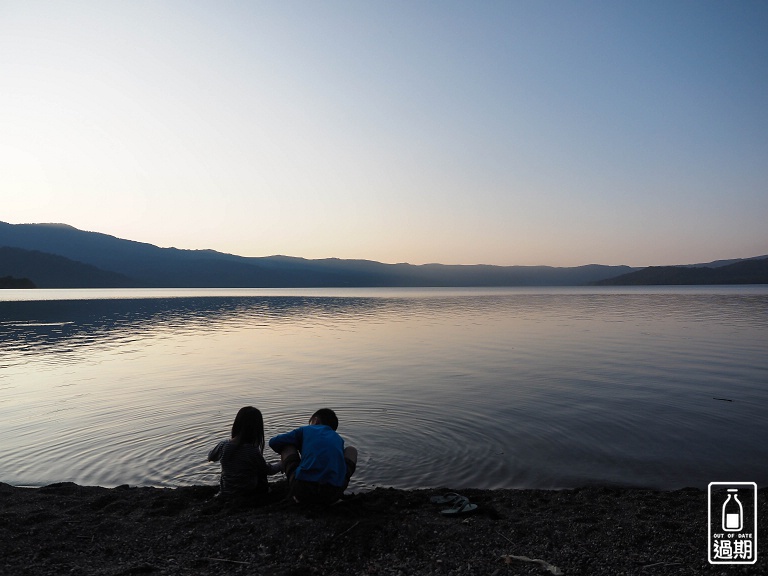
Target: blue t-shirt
{"type": "Point", "coordinates": [322, 453]}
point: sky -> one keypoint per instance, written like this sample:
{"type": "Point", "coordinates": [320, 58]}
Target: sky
{"type": "Point", "coordinates": [514, 132]}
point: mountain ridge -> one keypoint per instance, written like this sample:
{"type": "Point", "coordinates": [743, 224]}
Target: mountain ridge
{"type": "Point", "coordinates": [748, 271]}
{"type": "Point", "coordinates": [54, 271]}
{"type": "Point", "coordinates": [139, 264]}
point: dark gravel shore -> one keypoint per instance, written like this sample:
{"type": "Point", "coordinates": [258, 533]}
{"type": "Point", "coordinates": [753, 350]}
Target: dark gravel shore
{"type": "Point", "coordinates": [75, 530]}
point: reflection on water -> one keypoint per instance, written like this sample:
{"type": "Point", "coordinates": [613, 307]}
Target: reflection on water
{"type": "Point", "coordinates": [529, 388]}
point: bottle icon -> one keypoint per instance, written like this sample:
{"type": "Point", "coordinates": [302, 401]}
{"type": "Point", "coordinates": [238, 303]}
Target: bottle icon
{"type": "Point", "coordinates": [733, 512]}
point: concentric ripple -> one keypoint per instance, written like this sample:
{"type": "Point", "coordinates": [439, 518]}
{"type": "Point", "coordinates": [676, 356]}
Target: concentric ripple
{"type": "Point", "coordinates": [462, 388]}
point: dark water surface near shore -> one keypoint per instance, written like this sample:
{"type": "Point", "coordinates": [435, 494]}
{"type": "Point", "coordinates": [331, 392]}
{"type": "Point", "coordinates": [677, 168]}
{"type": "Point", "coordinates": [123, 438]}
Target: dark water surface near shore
{"type": "Point", "coordinates": [537, 388]}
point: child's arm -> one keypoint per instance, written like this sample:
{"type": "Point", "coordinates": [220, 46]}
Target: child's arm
{"type": "Point", "coordinates": [215, 454]}
{"type": "Point", "coordinates": [292, 438]}
{"type": "Point", "coordinates": [273, 469]}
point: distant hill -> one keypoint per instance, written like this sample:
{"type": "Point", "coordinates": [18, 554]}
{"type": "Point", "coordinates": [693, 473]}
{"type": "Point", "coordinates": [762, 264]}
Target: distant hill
{"type": "Point", "coordinates": [753, 271]}
{"type": "Point", "coordinates": [52, 271]}
{"type": "Point", "coordinates": [16, 283]}
{"type": "Point", "coordinates": [130, 263]}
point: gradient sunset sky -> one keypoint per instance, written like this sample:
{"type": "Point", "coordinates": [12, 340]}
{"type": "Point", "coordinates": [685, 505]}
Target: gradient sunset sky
{"type": "Point", "coordinates": [499, 132]}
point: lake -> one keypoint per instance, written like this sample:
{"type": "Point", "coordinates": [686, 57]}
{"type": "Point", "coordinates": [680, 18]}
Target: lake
{"type": "Point", "coordinates": [486, 388]}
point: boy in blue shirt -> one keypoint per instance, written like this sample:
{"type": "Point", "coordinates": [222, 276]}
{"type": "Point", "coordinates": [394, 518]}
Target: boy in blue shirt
{"type": "Point", "coordinates": [314, 459]}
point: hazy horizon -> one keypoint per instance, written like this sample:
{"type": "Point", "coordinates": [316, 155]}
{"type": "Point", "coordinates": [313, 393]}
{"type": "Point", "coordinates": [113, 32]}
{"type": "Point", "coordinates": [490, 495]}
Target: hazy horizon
{"type": "Point", "coordinates": [501, 133]}
{"type": "Point", "coordinates": [64, 224]}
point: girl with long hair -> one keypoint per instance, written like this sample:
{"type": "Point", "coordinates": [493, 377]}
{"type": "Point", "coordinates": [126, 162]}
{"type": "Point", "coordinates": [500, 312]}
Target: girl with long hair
{"type": "Point", "coordinates": [243, 468]}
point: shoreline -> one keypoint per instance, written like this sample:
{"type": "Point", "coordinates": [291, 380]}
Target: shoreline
{"type": "Point", "coordinates": [66, 528]}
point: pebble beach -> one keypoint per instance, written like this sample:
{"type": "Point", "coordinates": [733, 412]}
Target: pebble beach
{"type": "Point", "coordinates": [86, 531]}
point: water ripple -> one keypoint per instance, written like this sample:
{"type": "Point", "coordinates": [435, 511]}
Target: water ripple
{"type": "Point", "coordinates": [442, 388]}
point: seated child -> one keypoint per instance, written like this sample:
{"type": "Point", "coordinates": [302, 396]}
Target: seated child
{"type": "Point", "coordinates": [243, 469]}
{"type": "Point", "coordinates": [315, 460]}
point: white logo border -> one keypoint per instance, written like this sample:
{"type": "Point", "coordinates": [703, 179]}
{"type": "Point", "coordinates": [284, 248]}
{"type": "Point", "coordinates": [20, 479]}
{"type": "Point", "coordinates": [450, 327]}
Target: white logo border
{"type": "Point", "coordinates": [753, 485]}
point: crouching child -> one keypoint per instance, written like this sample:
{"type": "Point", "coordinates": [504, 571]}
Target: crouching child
{"type": "Point", "coordinates": [315, 461]}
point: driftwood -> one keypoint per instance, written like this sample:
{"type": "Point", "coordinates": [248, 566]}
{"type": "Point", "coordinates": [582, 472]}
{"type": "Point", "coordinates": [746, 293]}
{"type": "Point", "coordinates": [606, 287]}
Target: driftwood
{"type": "Point", "coordinates": [225, 560]}
{"type": "Point", "coordinates": [553, 569]}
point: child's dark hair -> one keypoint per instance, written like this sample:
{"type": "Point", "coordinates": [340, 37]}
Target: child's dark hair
{"type": "Point", "coordinates": [248, 426]}
{"type": "Point", "coordinates": [327, 417]}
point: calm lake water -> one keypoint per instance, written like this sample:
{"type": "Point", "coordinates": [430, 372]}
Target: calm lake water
{"type": "Point", "coordinates": [535, 388]}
